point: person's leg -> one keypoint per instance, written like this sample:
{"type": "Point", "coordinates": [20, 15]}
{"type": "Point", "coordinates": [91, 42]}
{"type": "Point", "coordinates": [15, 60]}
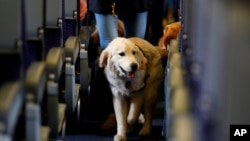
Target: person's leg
{"type": "Point", "coordinates": [135, 25]}
{"type": "Point", "coordinates": [155, 16]}
{"type": "Point", "coordinates": [107, 28]}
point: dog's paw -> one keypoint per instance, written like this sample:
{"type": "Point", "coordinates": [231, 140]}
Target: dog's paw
{"type": "Point", "coordinates": [141, 118]}
{"type": "Point", "coordinates": [145, 131]}
{"type": "Point", "coordinates": [120, 138]}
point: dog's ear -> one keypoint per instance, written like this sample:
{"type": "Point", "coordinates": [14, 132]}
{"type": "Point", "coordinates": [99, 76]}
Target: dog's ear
{"type": "Point", "coordinates": [103, 59]}
{"type": "Point", "coordinates": [144, 60]}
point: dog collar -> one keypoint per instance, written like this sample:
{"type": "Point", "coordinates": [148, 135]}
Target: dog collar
{"type": "Point", "coordinates": [127, 84]}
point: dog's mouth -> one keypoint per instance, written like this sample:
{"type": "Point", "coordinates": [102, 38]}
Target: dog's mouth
{"type": "Point", "coordinates": [130, 74]}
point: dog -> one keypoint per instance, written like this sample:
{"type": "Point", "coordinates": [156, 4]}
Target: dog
{"type": "Point", "coordinates": [170, 32]}
{"type": "Point", "coordinates": [134, 71]}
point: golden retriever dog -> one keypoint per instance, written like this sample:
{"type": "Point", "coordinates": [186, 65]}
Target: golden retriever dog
{"type": "Point", "coordinates": [134, 71]}
{"type": "Point", "coordinates": [170, 32]}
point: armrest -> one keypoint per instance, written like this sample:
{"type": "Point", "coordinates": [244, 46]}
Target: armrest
{"type": "Point", "coordinates": [85, 36]}
{"type": "Point", "coordinates": [54, 62]}
{"type": "Point", "coordinates": [35, 80]}
{"type": "Point", "coordinates": [45, 130]}
{"type": "Point", "coordinates": [72, 48]}
{"type": "Point", "coordinates": [11, 100]}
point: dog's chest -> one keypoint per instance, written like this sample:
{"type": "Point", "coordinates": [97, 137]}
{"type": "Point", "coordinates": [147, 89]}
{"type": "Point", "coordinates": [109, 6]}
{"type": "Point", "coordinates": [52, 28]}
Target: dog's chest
{"type": "Point", "coordinates": [125, 86]}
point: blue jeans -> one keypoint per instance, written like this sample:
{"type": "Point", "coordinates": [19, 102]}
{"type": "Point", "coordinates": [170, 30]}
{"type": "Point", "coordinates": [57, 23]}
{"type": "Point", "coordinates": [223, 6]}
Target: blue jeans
{"type": "Point", "coordinates": [135, 26]}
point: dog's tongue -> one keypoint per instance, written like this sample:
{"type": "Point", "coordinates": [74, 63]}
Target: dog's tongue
{"type": "Point", "coordinates": [131, 74]}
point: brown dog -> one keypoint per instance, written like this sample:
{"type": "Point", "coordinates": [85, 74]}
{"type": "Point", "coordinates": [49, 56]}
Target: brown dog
{"type": "Point", "coordinates": [170, 32]}
{"type": "Point", "coordinates": [134, 71]}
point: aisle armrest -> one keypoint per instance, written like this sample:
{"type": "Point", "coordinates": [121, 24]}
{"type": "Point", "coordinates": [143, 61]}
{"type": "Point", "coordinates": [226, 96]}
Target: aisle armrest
{"type": "Point", "coordinates": [54, 63]}
{"type": "Point", "coordinates": [11, 100]}
{"type": "Point", "coordinates": [56, 111]}
{"type": "Point", "coordinates": [72, 48]}
{"type": "Point", "coordinates": [35, 80]}
{"type": "Point", "coordinates": [45, 130]}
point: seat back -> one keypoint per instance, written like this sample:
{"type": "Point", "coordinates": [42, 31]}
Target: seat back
{"type": "Point", "coordinates": [12, 39]}
{"type": "Point", "coordinates": [70, 8]}
{"type": "Point", "coordinates": [34, 16]}
{"type": "Point", "coordinates": [12, 27]}
{"type": "Point", "coordinates": [53, 12]}
{"type": "Point", "coordinates": [53, 23]}
{"type": "Point", "coordinates": [70, 26]}
{"type": "Point", "coordinates": [12, 24]}
{"type": "Point", "coordinates": [34, 50]}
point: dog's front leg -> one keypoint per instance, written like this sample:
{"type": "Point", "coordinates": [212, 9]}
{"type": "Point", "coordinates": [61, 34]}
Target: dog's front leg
{"type": "Point", "coordinates": [149, 102]}
{"type": "Point", "coordinates": [134, 110]}
{"type": "Point", "coordinates": [121, 112]}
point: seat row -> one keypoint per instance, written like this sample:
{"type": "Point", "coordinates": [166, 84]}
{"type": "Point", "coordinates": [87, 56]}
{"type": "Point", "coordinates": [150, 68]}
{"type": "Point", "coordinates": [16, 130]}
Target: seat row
{"type": "Point", "coordinates": [41, 79]}
{"type": "Point", "coordinates": [213, 44]}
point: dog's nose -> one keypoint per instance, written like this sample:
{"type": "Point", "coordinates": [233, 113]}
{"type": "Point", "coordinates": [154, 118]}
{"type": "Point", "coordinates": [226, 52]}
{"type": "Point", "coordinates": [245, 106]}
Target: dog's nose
{"type": "Point", "coordinates": [133, 66]}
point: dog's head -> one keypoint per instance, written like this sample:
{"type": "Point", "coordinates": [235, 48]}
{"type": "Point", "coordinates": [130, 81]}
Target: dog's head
{"type": "Point", "coordinates": [123, 57]}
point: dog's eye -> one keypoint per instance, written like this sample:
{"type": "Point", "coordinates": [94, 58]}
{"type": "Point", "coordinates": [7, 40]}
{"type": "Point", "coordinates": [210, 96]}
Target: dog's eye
{"type": "Point", "coordinates": [134, 52]}
{"type": "Point", "coordinates": [122, 54]}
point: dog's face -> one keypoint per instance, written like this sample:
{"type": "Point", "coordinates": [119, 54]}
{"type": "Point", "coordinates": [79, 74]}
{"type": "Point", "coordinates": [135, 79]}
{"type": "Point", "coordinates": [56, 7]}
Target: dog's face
{"type": "Point", "coordinates": [123, 57]}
